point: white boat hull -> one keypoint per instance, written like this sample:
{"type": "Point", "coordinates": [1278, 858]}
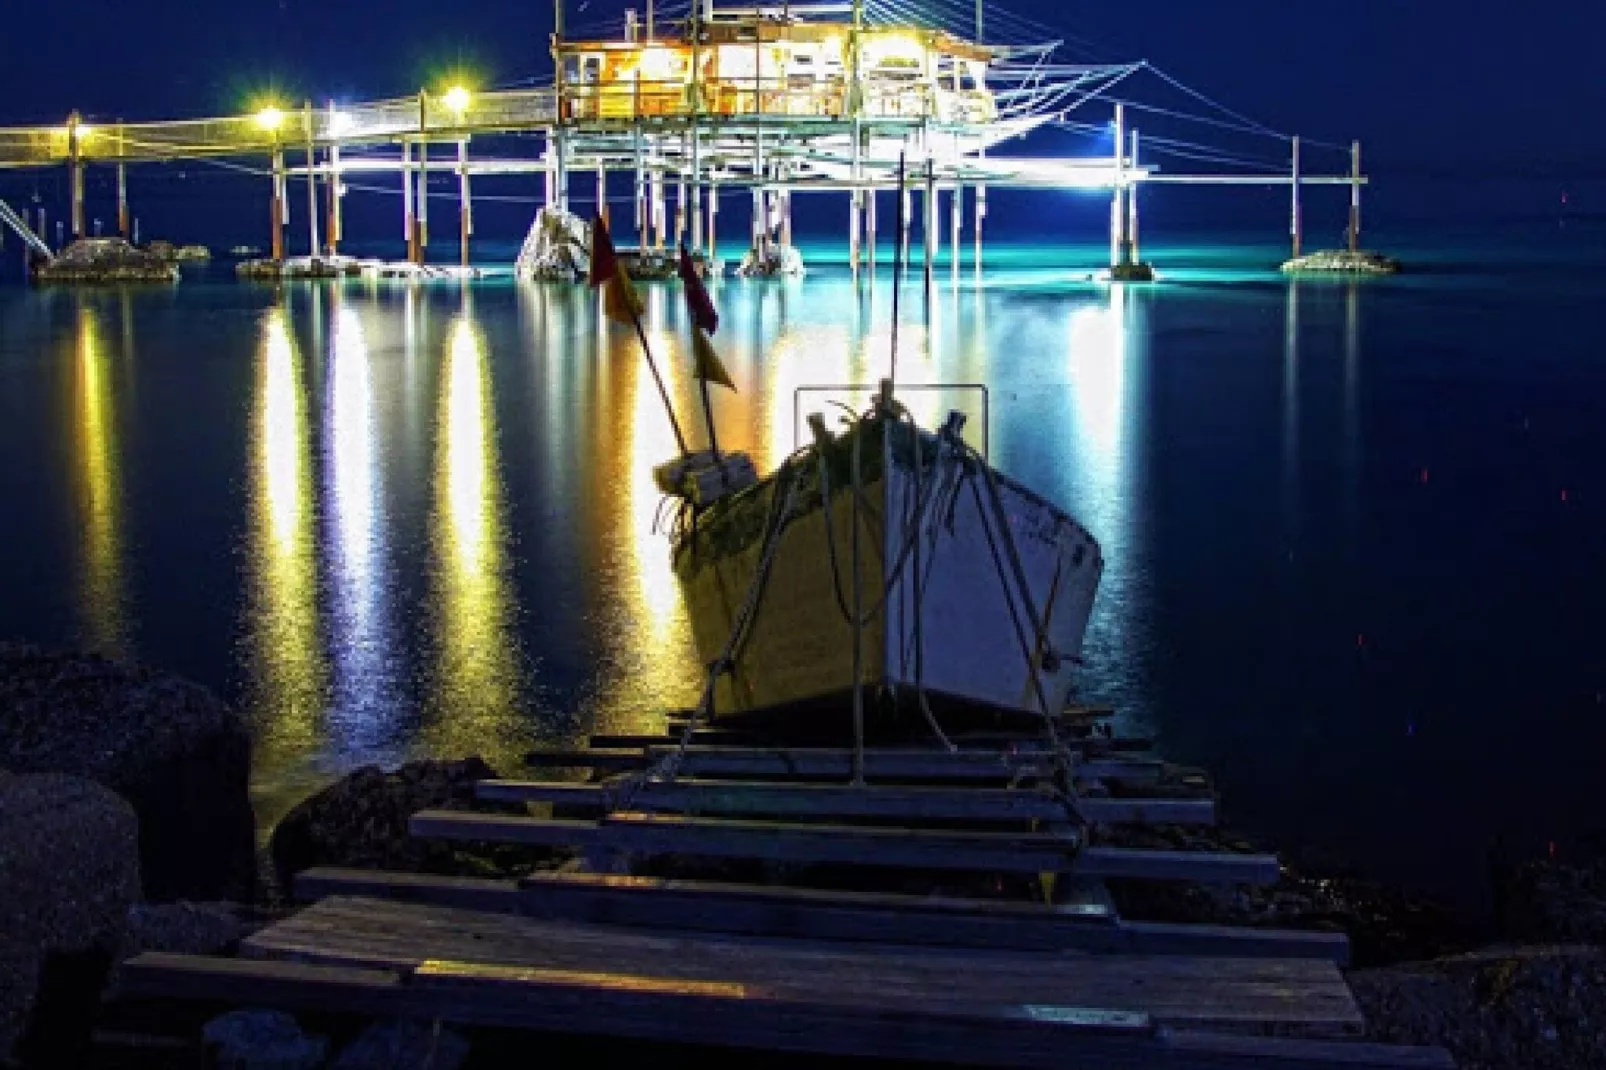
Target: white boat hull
{"type": "Point", "coordinates": [996, 620]}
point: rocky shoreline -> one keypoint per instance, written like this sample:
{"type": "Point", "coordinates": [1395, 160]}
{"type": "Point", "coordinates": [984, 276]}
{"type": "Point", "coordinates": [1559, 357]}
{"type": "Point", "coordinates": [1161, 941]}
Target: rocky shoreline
{"type": "Point", "coordinates": [125, 826]}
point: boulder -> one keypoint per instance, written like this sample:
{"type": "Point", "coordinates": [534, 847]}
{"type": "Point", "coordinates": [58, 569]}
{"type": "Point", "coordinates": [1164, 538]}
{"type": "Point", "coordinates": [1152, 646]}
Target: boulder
{"type": "Point", "coordinates": [557, 249]}
{"type": "Point", "coordinates": [254, 1039]}
{"type": "Point", "coordinates": [773, 261]}
{"type": "Point", "coordinates": [69, 871]}
{"type": "Point", "coordinates": [404, 1045]}
{"type": "Point", "coordinates": [361, 821]}
{"type": "Point", "coordinates": [94, 260]}
{"type": "Point", "coordinates": [179, 756]}
{"type": "Point", "coordinates": [1529, 1008]}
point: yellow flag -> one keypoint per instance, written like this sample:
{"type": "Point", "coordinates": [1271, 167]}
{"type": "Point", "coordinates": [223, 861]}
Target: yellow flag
{"type": "Point", "coordinates": [706, 363]}
{"type": "Point", "coordinates": [620, 301]}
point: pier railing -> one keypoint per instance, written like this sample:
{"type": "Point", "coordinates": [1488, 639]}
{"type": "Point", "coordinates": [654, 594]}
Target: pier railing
{"type": "Point", "coordinates": [242, 135]}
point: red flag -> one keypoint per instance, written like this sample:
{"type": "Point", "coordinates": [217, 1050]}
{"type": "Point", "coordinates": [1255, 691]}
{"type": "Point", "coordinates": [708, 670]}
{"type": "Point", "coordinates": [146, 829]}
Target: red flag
{"type": "Point", "coordinates": [604, 263]}
{"type": "Point", "coordinates": [698, 303]}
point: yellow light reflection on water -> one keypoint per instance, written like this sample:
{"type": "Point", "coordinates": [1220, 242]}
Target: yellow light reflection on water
{"type": "Point", "coordinates": [476, 699]}
{"type": "Point", "coordinates": [288, 675]}
{"type": "Point", "coordinates": [99, 492]}
{"type": "Point", "coordinates": [360, 642]}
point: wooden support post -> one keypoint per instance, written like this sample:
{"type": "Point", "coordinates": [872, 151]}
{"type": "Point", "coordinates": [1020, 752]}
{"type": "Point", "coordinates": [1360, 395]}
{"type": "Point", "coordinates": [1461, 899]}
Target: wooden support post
{"type": "Point", "coordinates": [312, 180]}
{"type": "Point", "coordinates": [908, 220]}
{"type": "Point", "coordinates": [713, 223]}
{"type": "Point", "coordinates": [465, 209]}
{"type": "Point", "coordinates": [956, 224]}
{"type": "Point", "coordinates": [870, 227]}
{"type": "Point", "coordinates": [562, 170]}
{"type": "Point", "coordinates": [1355, 197]}
{"type": "Point", "coordinates": [853, 232]}
{"type": "Point", "coordinates": [786, 218]}
{"type": "Point", "coordinates": [933, 233]}
{"type": "Point", "coordinates": [409, 230]}
{"type": "Point", "coordinates": [421, 216]}
{"type": "Point", "coordinates": [1120, 246]}
{"type": "Point", "coordinates": [602, 196]}
{"type": "Point", "coordinates": [1296, 222]}
{"type": "Point", "coordinates": [122, 201]}
{"type": "Point", "coordinates": [760, 220]}
{"type": "Point", "coordinates": [1132, 209]}
{"type": "Point", "coordinates": [333, 190]}
{"type": "Point", "coordinates": [75, 168]}
{"type": "Point", "coordinates": [680, 210]}
{"type": "Point", "coordinates": [550, 174]}
{"type": "Point", "coordinates": [981, 214]}
{"type": "Point", "coordinates": [279, 207]}
{"type": "Point", "coordinates": [696, 192]}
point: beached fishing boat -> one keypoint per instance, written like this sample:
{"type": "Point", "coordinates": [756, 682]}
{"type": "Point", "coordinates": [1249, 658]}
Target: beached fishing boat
{"type": "Point", "coordinates": [972, 590]}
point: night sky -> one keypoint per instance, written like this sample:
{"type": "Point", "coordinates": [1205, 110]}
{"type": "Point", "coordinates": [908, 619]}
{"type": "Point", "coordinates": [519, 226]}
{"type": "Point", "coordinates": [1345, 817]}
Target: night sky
{"type": "Point", "coordinates": [1495, 86]}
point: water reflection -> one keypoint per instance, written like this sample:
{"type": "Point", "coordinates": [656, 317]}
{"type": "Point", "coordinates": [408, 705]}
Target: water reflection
{"type": "Point", "coordinates": [287, 673]}
{"type": "Point", "coordinates": [1106, 362]}
{"type": "Point", "coordinates": [99, 491]}
{"type": "Point", "coordinates": [475, 700]}
{"type": "Point", "coordinates": [359, 609]}
{"type": "Point", "coordinates": [1290, 414]}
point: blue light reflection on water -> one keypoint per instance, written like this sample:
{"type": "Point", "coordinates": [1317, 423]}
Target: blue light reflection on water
{"type": "Point", "coordinates": [389, 521]}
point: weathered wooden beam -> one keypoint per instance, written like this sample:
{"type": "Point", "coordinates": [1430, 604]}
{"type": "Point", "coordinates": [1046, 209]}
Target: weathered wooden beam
{"type": "Point", "coordinates": [908, 764]}
{"type": "Point", "coordinates": [744, 1015]}
{"type": "Point", "coordinates": [844, 800]}
{"type": "Point", "coordinates": [803, 913]}
{"type": "Point", "coordinates": [993, 852]}
{"type": "Point", "coordinates": [502, 828]}
{"type": "Point", "coordinates": [469, 892]}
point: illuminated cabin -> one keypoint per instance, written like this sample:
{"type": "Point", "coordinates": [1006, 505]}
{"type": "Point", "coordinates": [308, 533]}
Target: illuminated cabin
{"type": "Point", "coordinates": [775, 66]}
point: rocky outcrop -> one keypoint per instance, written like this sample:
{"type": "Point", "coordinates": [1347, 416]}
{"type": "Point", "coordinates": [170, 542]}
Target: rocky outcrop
{"type": "Point", "coordinates": [773, 261]}
{"type": "Point", "coordinates": [1342, 262]}
{"type": "Point", "coordinates": [557, 249]}
{"type": "Point", "coordinates": [170, 747]}
{"type": "Point", "coordinates": [1533, 1008]}
{"type": "Point", "coordinates": [262, 1040]}
{"type": "Point", "coordinates": [404, 1045]}
{"type": "Point", "coordinates": [69, 871]}
{"type": "Point", "coordinates": [178, 254]}
{"type": "Point", "coordinates": [1132, 272]}
{"type": "Point", "coordinates": [361, 821]}
{"type": "Point", "coordinates": [101, 260]}
{"type": "Point", "coordinates": [1559, 898]}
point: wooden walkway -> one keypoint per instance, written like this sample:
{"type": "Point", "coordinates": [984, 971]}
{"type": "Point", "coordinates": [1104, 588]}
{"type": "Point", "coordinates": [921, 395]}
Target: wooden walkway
{"type": "Point", "coordinates": [592, 948]}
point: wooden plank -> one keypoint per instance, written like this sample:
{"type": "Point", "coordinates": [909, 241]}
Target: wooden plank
{"type": "Point", "coordinates": [991, 852]}
{"type": "Point", "coordinates": [1086, 924]}
{"type": "Point", "coordinates": [1208, 867]}
{"type": "Point", "coordinates": [1005, 1035]}
{"type": "Point", "coordinates": [696, 906]}
{"type": "Point", "coordinates": [587, 757]}
{"type": "Point", "coordinates": [501, 828]}
{"type": "Point", "coordinates": [474, 893]}
{"type": "Point", "coordinates": [836, 763]}
{"type": "Point", "coordinates": [1165, 938]}
{"type": "Point", "coordinates": [843, 800]}
{"type": "Point", "coordinates": [1175, 990]}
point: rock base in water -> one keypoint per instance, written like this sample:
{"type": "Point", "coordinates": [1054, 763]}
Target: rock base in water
{"type": "Point", "coordinates": [1139, 272]}
{"type": "Point", "coordinates": [170, 747]}
{"type": "Point", "coordinates": [361, 821]}
{"type": "Point", "coordinates": [556, 249]}
{"type": "Point", "coordinates": [772, 262]}
{"type": "Point", "coordinates": [178, 254]}
{"type": "Point", "coordinates": [91, 261]}
{"type": "Point", "coordinates": [1342, 262]}
{"type": "Point", "coordinates": [69, 871]}
{"type": "Point", "coordinates": [347, 267]}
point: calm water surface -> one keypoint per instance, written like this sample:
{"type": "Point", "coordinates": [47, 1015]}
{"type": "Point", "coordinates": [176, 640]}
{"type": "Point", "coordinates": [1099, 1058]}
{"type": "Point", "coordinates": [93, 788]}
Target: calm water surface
{"type": "Point", "coordinates": [1356, 534]}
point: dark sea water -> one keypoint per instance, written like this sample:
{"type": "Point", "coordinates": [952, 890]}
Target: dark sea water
{"type": "Point", "coordinates": [1356, 533]}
